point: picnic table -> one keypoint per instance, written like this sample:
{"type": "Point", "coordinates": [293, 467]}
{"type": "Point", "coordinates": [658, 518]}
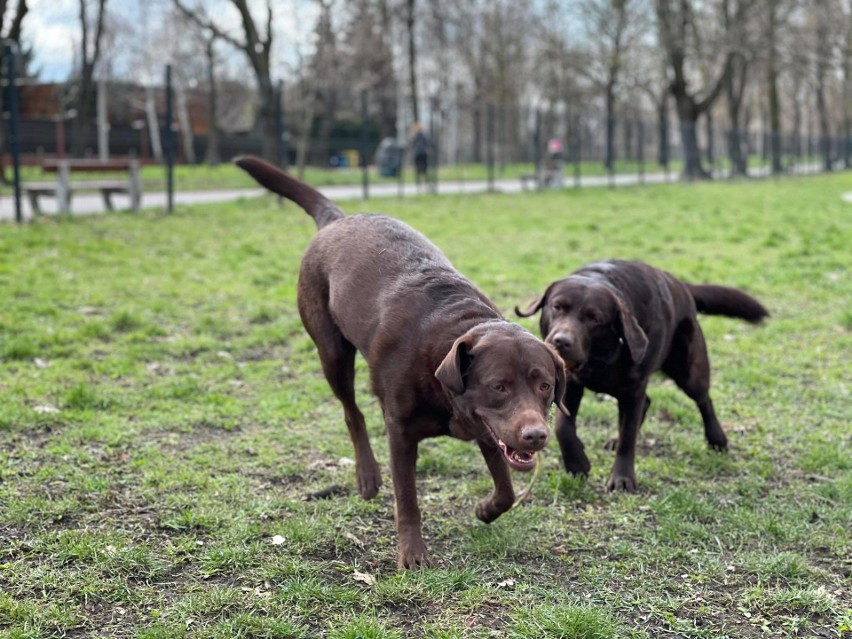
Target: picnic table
{"type": "Point", "coordinates": [63, 187]}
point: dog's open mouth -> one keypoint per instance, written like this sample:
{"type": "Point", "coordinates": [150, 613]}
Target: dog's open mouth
{"type": "Point", "coordinates": [523, 460]}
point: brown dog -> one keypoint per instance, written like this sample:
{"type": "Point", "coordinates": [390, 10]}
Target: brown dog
{"type": "Point", "coordinates": [615, 323]}
{"type": "Point", "coordinates": [442, 359]}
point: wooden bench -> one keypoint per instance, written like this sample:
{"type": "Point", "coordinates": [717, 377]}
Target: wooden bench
{"type": "Point", "coordinates": [63, 188]}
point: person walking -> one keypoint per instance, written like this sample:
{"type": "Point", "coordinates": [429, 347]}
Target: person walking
{"type": "Point", "coordinates": [420, 149]}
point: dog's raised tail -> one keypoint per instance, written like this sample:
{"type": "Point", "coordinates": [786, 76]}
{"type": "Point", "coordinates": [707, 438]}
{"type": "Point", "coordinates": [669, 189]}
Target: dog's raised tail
{"type": "Point", "coordinates": [319, 207]}
{"type": "Point", "coordinates": [731, 302]}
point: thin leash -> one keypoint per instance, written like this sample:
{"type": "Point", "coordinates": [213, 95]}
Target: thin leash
{"type": "Point", "coordinates": [536, 473]}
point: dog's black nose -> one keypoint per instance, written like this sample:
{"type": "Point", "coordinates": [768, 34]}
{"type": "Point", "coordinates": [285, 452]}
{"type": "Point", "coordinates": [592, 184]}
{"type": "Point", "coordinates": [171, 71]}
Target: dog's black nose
{"type": "Point", "coordinates": [563, 340]}
{"type": "Point", "coordinates": [534, 436]}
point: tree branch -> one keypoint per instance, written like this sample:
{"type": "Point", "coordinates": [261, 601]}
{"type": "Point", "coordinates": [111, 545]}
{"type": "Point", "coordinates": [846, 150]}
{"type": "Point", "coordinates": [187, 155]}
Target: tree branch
{"type": "Point", "coordinates": [15, 29]}
{"type": "Point", "coordinates": [206, 23]}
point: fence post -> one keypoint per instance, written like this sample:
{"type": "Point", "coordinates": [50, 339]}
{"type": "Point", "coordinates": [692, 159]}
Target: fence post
{"type": "Point", "coordinates": [14, 125]}
{"type": "Point", "coordinates": [711, 158]}
{"type": "Point", "coordinates": [489, 141]}
{"type": "Point", "coordinates": [609, 142]}
{"type": "Point", "coordinates": [640, 132]}
{"type": "Point", "coordinates": [365, 176]}
{"type": "Point", "coordinates": [433, 134]}
{"type": "Point", "coordinates": [577, 150]}
{"type": "Point", "coordinates": [663, 158]}
{"type": "Point", "coordinates": [170, 147]}
{"type": "Point", "coordinates": [536, 149]}
{"type": "Point", "coordinates": [280, 143]}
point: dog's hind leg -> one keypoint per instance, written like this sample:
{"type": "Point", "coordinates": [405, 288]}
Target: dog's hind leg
{"type": "Point", "coordinates": [337, 356]}
{"type": "Point", "coordinates": [689, 367]}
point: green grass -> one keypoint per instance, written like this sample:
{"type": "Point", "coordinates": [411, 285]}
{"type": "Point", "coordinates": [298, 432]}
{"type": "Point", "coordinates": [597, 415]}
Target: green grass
{"type": "Point", "coordinates": [163, 415]}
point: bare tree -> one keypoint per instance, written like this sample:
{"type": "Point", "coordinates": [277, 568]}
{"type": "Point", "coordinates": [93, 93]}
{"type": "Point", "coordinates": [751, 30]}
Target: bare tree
{"type": "Point", "coordinates": [367, 60]}
{"type": "Point", "coordinates": [326, 80]}
{"type": "Point", "coordinates": [735, 88]}
{"type": "Point", "coordinates": [11, 33]}
{"type": "Point", "coordinates": [846, 52]}
{"type": "Point", "coordinates": [257, 47]}
{"type": "Point", "coordinates": [91, 36]}
{"type": "Point", "coordinates": [212, 155]}
{"type": "Point", "coordinates": [410, 12]}
{"type": "Point", "coordinates": [611, 25]}
{"type": "Point", "coordinates": [822, 65]}
{"type": "Point", "coordinates": [680, 36]}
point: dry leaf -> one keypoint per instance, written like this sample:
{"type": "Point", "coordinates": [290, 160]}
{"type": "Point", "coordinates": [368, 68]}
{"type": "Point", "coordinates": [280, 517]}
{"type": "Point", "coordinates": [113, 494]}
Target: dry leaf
{"type": "Point", "coordinates": [46, 409]}
{"type": "Point", "coordinates": [354, 539]}
{"type": "Point", "coordinates": [364, 578]}
{"type": "Point", "coordinates": [506, 583]}
{"type": "Point", "coordinates": [277, 540]}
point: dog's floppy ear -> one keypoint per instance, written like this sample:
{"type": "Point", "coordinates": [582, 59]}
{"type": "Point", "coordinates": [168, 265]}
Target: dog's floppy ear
{"type": "Point", "coordinates": [561, 383]}
{"type": "Point", "coordinates": [453, 369]}
{"type": "Point", "coordinates": [634, 336]}
{"type": "Point", "coordinates": [534, 306]}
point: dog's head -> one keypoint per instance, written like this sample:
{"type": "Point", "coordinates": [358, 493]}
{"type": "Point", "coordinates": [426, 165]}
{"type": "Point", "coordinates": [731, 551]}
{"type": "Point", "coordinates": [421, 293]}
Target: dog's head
{"type": "Point", "coordinates": [586, 319]}
{"type": "Point", "coordinates": [501, 381]}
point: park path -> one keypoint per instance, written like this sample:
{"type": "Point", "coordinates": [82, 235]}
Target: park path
{"type": "Point", "coordinates": [89, 203]}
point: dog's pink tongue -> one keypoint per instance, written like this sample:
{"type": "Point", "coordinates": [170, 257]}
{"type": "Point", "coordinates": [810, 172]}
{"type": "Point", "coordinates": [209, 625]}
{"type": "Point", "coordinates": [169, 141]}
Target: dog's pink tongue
{"type": "Point", "coordinates": [518, 459]}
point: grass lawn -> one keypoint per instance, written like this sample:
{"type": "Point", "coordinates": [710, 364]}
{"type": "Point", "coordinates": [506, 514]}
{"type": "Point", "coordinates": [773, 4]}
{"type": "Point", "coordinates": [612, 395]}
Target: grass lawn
{"type": "Point", "coordinates": [163, 417]}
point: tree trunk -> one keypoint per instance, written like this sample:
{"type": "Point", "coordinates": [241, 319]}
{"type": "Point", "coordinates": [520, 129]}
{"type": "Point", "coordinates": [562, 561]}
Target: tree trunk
{"type": "Point", "coordinates": [772, 86]}
{"type": "Point", "coordinates": [82, 121]}
{"type": "Point", "coordinates": [153, 126]}
{"type": "Point", "coordinates": [82, 124]}
{"type": "Point", "coordinates": [847, 90]}
{"type": "Point", "coordinates": [185, 126]}
{"type": "Point", "coordinates": [822, 68]}
{"type": "Point", "coordinates": [687, 114]}
{"type": "Point", "coordinates": [735, 87]}
{"type": "Point", "coordinates": [663, 128]}
{"type": "Point", "coordinates": [13, 35]}
{"type": "Point", "coordinates": [412, 59]}
{"type": "Point", "coordinates": [212, 156]}
{"type": "Point", "coordinates": [610, 124]}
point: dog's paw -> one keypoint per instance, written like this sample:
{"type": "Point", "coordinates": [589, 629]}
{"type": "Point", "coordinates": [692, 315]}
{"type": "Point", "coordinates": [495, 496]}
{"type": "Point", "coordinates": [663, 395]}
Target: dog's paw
{"type": "Point", "coordinates": [412, 554]}
{"type": "Point", "coordinates": [369, 480]}
{"type": "Point", "coordinates": [487, 510]}
{"type": "Point", "coordinates": [578, 466]}
{"type": "Point", "coordinates": [718, 443]}
{"type": "Point", "coordinates": [626, 483]}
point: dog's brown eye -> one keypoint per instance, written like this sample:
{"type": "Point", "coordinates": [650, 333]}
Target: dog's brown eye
{"type": "Point", "coordinates": [545, 387]}
{"type": "Point", "coordinates": [499, 388]}
{"type": "Point", "coordinates": [557, 308]}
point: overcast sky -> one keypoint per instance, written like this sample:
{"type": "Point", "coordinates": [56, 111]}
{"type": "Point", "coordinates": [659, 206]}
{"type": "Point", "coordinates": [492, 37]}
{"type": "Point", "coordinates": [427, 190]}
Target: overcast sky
{"type": "Point", "coordinates": [53, 28]}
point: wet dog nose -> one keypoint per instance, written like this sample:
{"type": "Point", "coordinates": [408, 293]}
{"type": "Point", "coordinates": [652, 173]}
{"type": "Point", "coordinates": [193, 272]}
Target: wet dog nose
{"type": "Point", "coordinates": [534, 436]}
{"type": "Point", "coordinates": [563, 340]}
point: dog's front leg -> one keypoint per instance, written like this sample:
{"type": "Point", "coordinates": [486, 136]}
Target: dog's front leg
{"type": "Point", "coordinates": [501, 500]}
{"type": "Point", "coordinates": [412, 551]}
{"type": "Point", "coordinates": [631, 410]}
{"type": "Point", "coordinates": [573, 452]}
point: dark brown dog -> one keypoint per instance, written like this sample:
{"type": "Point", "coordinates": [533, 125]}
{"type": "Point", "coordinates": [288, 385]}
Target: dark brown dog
{"type": "Point", "coordinates": [442, 359]}
{"type": "Point", "coordinates": [615, 323]}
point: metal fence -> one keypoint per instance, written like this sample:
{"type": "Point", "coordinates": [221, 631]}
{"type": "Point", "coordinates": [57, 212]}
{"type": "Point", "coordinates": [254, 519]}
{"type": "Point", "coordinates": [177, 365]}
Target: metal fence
{"type": "Point", "coordinates": [482, 141]}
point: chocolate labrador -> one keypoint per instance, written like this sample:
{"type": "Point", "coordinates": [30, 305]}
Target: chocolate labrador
{"type": "Point", "coordinates": [442, 359]}
{"type": "Point", "coordinates": [615, 323]}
